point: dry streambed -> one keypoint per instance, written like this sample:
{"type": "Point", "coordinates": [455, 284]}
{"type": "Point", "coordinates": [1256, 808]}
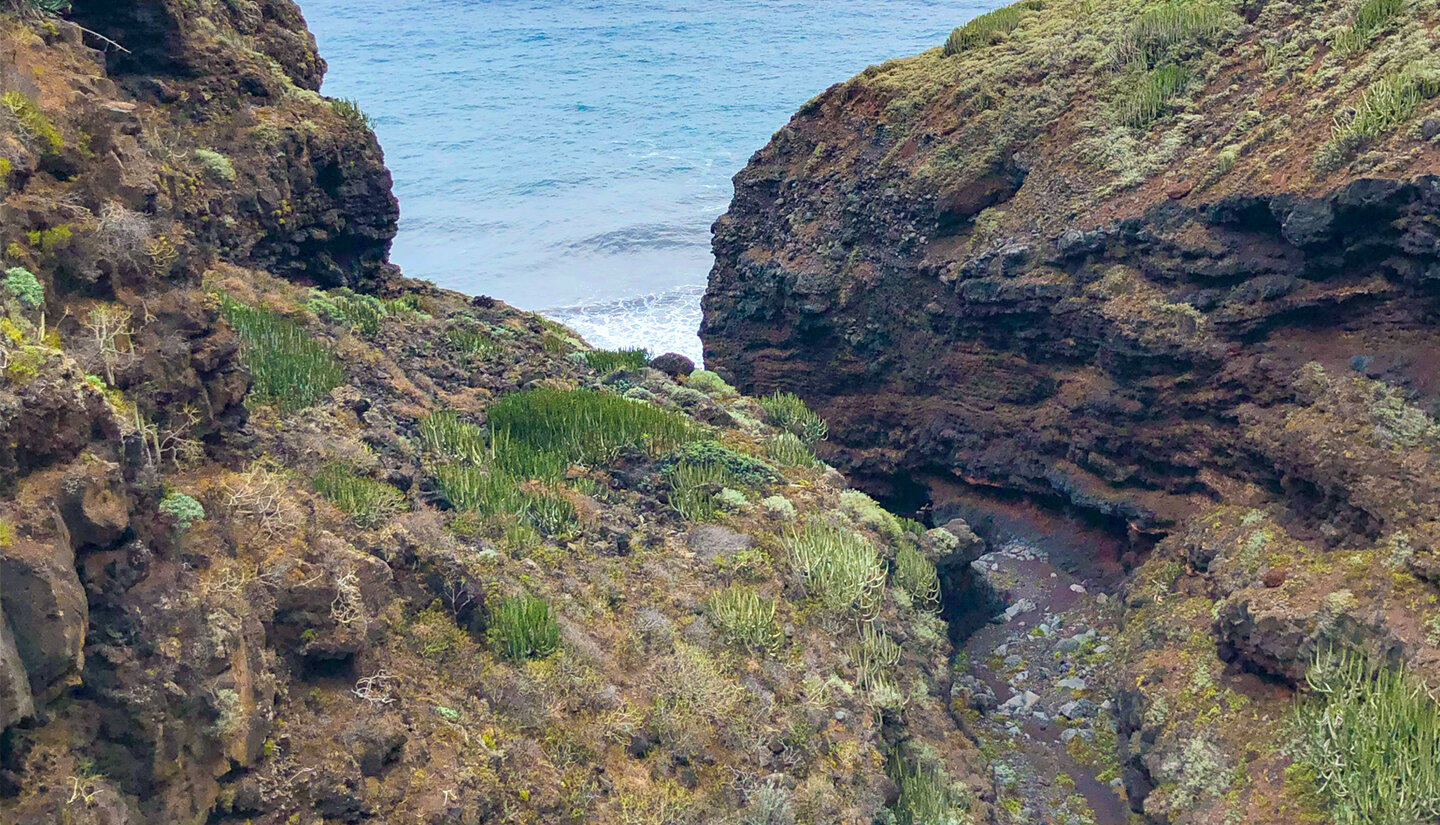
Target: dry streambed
{"type": "Point", "coordinates": [1029, 682]}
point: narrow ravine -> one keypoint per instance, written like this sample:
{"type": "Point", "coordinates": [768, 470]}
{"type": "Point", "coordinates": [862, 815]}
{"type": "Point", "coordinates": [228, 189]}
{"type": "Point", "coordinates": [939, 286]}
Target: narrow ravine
{"type": "Point", "coordinates": [1030, 674]}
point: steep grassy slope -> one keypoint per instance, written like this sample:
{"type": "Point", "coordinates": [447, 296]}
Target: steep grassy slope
{"type": "Point", "coordinates": [287, 538]}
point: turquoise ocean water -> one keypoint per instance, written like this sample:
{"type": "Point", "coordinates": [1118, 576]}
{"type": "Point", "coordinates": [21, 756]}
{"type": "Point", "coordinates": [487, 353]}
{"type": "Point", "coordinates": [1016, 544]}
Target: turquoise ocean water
{"type": "Point", "coordinates": [569, 157]}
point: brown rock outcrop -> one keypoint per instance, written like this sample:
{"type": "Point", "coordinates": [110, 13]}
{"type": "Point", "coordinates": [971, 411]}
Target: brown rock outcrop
{"type": "Point", "coordinates": [981, 268]}
{"type": "Point", "coordinates": [46, 608]}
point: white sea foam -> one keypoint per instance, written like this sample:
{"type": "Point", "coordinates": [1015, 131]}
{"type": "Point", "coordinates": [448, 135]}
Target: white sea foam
{"type": "Point", "coordinates": [667, 321]}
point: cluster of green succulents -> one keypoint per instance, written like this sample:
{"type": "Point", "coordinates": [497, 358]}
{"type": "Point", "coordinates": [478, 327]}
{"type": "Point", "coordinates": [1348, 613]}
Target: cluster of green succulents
{"type": "Point", "coordinates": [788, 412]}
{"type": "Point", "coordinates": [746, 617]}
{"type": "Point", "coordinates": [1371, 738]}
{"type": "Point", "coordinates": [838, 566]}
{"type": "Point", "coordinates": [606, 361]}
{"type": "Point", "coordinates": [524, 627]}
{"type": "Point", "coordinates": [369, 502]}
{"type": "Point", "coordinates": [288, 367]}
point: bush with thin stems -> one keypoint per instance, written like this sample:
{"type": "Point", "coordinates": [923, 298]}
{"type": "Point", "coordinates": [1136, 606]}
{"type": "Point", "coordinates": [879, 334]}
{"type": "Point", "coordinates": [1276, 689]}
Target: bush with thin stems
{"type": "Point", "coordinates": [369, 502]}
{"type": "Point", "coordinates": [915, 574]}
{"type": "Point", "coordinates": [606, 361]}
{"type": "Point", "coordinates": [1370, 18]}
{"type": "Point", "coordinates": [350, 111]}
{"type": "Point", "coordinates": [551, 514]}
{"type": "Point", "coordinates": [788, 412]}
{"type": "Point", "coordinates": [34, 121]}
{"type": "Point", "coordinates": [988, 28]}
{"type": "Point", "coordinates": [1370, 735]}
{"type": "Point", "coordinates": [471, 341]}
{"type": "Point", "coordinates": [925, 796]}
{"type": "Point", "coordinates": [524, 627]}
{"type": "Point", "coordinates": [1176, 23]}
{"type": "Point", "coordinates": [876, 655]}
{"type": "Point", "coordinates": [1148, 94]}
{"type": "Point", "coordinates": [524, 461]}
{"type": "Point", "coordinates": [694, 487]}
{"type": "Point", "coordinates": [448, 435]}
{"type": "Point", "coordinates": [746, 618]}
{"type": "Point", "coordinates": [1385, 105]}
{"type": "Point", "coordinates": [838, 566]}
{"type": "Point", "coordinates": [495, 493]}
{"type": "Point", "coordinates": [35, 7]}
{"type": "Point", "coordinates": [788, 450]}
{"type": "Point", "coordinates": [288, 367]}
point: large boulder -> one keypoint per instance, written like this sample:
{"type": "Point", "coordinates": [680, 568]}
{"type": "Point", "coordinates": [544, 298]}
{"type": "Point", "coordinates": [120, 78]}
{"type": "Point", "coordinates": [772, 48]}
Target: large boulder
{"type": "Point", "coordinates": [94, 504]}
{"type": "Point", "coordinates": [45, 606]}
{"type": "Point", "coordinates": [15, 701]}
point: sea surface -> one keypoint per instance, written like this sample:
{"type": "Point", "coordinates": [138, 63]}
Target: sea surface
{"type": "Point", "coordinates": [570, 157]}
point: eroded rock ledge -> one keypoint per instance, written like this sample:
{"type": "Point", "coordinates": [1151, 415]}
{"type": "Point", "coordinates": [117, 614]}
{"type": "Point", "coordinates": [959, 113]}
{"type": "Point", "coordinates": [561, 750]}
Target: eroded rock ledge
{"type": "Point", "coordinates": [1144, 369]}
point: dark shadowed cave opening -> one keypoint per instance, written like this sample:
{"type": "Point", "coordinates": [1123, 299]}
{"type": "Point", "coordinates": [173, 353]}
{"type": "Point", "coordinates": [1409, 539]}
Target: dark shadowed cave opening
{"type": "Point", "coordinates": [1080, 541]}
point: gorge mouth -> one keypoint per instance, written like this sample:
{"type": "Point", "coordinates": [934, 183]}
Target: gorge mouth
{"type": "Point", "coordinates": [1029, 617]}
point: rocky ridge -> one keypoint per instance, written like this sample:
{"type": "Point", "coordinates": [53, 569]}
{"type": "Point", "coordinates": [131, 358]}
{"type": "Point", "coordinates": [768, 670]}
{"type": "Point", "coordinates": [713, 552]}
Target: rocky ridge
{"type": "Point", "coordinates": [265, 557]}
{"type": "Point", "coordinates": [1205, 329]}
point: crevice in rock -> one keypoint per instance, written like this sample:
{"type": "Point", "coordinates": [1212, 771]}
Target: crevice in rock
{"type": "Point", "coordinates": [326, 665]}
{"type": "Point", "coordinates": [149, 33]}
{"type": "Point", "coordinates": [967, 601]}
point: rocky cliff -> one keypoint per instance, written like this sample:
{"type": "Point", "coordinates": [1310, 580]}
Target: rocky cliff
{"type": "Point", "coordinates": [288, 538]}
{"type": "Point", "coordinates": [1170, 269]}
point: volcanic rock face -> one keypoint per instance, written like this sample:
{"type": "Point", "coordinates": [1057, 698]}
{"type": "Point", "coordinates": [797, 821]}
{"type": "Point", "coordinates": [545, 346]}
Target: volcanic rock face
{"type": "Point", "coordinates": [980, 275]}
{"type": "Point", "coordinates": [130, 171]}
{"type": "Point", "coordinates": [1144, 369]}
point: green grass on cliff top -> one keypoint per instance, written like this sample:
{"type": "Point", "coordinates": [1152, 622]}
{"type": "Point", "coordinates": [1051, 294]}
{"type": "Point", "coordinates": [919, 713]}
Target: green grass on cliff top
{"type": "Point", "coordinates": [1105, 95]}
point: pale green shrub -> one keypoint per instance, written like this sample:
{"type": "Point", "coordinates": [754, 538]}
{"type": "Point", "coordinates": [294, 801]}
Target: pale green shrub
{"type": "Point", "coordinates": [788, 450]}
{"type": "Point", "coordinates": [838, 566]}
{"type": "Point", "coordinates": [778, 507]}
{"type": "Point", "coordinates": [1371, 737]}
{"type": "Point", "coordinates": [183, 509]}
{"type": "Point", "coordinates": [215, 164]}
{"type": "Point", "coordinates": [23, 284]}
{"type": "Point", "coordinates": [916, 574]}
{"type": "Point", "coordinates": [709, 383]}
{"type": "Point", "coordinates": [788, 412]}
{"type": "Point", "coordinates": [869, 513]}
{"type": "Point", "coordinates": [746, 618]}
